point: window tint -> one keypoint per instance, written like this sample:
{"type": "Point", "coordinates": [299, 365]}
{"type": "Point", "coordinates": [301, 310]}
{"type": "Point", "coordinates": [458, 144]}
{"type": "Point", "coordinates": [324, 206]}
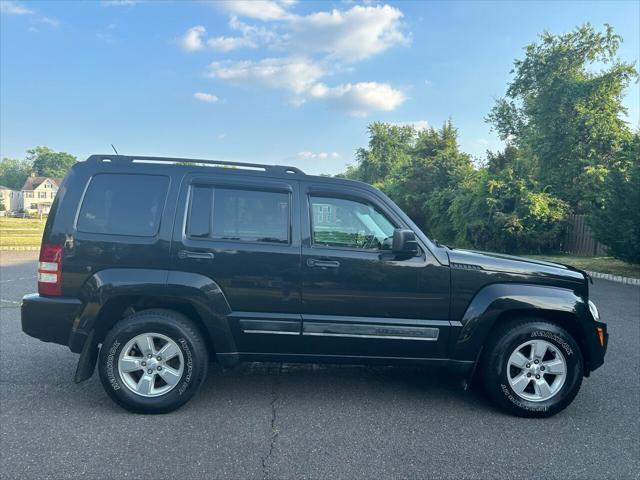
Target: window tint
{"type": "Point", "coordinates": [199, 224]}
{"type": "Point", "coordinates": [245, 215]}
{"type": "Point", "coordinates": [338, 222]}
{"type": "Point", "coordinates": [123, 204]}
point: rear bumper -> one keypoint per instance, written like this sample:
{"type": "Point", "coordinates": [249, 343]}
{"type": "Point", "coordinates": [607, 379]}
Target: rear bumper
{"type": "Point", "coordinates": [50, 319]}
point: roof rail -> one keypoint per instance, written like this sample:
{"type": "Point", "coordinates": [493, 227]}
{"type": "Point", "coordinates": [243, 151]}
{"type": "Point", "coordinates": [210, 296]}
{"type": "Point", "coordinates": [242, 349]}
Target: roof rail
{"type": "Point", "coordinates": [198, 162]}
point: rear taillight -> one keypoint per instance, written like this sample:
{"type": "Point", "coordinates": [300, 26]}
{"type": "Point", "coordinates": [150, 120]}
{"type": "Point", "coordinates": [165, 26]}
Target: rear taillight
{"type": "Point", "coordinates": [50, 270]}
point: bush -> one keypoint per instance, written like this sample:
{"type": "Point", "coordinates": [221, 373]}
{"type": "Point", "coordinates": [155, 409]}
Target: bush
{"type": "Point", "coordinates": [503, 213]}
{"type": "Point", "coordinates": [616, 221]}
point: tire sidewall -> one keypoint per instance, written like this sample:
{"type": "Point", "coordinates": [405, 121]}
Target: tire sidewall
{"type": "Point", "coordinates": [195, 364]}
{"type": "Point", "coordinates": [498, 376]}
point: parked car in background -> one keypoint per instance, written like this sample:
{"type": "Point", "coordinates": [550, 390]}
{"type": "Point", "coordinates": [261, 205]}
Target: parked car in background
{"type": "Point", "coordinates": [151, 267]}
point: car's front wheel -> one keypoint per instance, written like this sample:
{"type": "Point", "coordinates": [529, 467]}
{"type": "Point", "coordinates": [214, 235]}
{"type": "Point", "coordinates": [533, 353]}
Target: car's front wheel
{"type": "Point", "coordinates": [153, 361]}
{"type": "Point", "coordinates": [532, 368]}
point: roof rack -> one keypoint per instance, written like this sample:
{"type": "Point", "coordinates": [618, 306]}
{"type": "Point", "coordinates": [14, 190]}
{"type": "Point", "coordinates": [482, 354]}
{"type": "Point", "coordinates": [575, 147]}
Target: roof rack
{"type": "Point", "coordinates": [277, 169]}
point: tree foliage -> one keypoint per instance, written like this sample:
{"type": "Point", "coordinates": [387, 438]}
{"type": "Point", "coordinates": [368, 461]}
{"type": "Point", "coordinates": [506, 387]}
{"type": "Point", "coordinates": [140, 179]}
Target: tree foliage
{"type": "Point", "coordinates": [47, 163]}
{"type": "Point", "coordinates": [616, 220]}
{"type": "Point", "coordinates": [41, 161]}
{"type": "Point", "coordinates": [498, 210]}
{"type": "Point", "coordinates": [436, 184]}
{"type": "Point", "coordinates": [13, 173]}
{"type": "Point", "coordinates": [565, 114]}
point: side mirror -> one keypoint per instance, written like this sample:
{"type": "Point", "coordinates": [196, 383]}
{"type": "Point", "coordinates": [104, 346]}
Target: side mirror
{"type": "Point", "coordinates": [404, 242]}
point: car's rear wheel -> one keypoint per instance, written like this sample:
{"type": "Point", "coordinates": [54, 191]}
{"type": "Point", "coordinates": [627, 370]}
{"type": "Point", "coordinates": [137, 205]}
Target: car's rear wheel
{"type": "Point", "coordinates": [532, 368]}
{"type": "Point", "coordinates": [153, 361]}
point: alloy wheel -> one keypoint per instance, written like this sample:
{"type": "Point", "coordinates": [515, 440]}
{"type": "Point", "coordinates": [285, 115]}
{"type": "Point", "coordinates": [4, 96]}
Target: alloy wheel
{"type": "Point", "coordinates": [536, 370]}
{"type": "Point", "coordinates": [151, 364]}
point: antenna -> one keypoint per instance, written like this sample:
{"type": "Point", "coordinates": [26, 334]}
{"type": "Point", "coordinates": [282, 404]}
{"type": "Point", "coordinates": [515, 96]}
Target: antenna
{"type": "Point", "coordinates": [114, 149]}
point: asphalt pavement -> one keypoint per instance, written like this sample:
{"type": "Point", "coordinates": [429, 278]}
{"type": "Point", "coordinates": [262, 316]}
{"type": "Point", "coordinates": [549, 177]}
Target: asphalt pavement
{"type": "Point", "coordinates": [289, 421]}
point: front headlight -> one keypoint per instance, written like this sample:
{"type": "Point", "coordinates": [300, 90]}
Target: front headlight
{"type": "Point", "coordinates": [594, 310]}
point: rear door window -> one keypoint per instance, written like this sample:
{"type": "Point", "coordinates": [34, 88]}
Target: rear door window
{"type": "Point", "coordinates": [241, 215]}
{"type": "Point", "coordinates": [123, 204]}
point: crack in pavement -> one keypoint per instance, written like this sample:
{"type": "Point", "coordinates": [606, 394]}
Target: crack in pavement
{"type": "Point", "coordinates": [274, 430]}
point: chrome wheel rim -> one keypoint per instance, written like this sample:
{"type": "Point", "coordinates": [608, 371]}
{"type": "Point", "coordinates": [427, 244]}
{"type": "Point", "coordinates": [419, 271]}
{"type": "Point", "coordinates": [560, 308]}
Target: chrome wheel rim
{"type": "Point", "coordinates": [150, 364]}
{"type": "Point", "coordinates": [536, 370]}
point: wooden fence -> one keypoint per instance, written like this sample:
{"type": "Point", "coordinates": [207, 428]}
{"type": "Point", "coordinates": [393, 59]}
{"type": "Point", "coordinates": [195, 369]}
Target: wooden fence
{"type": "Point", "coordinates": [579, 239]}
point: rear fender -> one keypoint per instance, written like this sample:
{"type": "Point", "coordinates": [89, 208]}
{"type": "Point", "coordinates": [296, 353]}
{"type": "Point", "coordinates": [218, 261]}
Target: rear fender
{"type": "Point", "coordinates": [120, 286]}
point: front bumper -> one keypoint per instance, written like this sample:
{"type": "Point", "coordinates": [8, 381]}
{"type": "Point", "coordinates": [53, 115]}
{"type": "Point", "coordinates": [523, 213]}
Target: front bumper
{"type": "Point", "coordinates": [49, 319]}
{"type": "Point", "coordinates": [597, 342]}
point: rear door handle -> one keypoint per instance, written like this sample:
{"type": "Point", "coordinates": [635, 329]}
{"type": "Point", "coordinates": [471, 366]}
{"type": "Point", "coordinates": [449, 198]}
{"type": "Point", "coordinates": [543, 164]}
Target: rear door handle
{"type": "Point", "coordinates": [312, 262]}
{"type": "Point", "coordinates": [182, 254]}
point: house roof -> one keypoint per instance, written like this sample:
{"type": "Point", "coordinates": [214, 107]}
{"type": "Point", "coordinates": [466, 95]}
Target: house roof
{"type": "Point", "coordinates": [2, 187]}
{"type": "Point", "coordinates": [33, 182]}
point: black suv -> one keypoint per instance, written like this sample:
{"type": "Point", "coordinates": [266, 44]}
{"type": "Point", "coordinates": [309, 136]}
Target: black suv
{"type": "Point", "coordinates": [151, 267]}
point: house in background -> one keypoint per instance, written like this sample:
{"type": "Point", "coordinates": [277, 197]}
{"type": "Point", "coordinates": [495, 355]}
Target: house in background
{"type": "Point", "coordinates": [10, 198]}
{"type": "Point", "coordinates": [38, 194]}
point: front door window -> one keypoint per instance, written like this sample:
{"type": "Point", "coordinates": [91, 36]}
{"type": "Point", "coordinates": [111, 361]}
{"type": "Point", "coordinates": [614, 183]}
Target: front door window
{"type": "Point", "coordinates": [339, 222]}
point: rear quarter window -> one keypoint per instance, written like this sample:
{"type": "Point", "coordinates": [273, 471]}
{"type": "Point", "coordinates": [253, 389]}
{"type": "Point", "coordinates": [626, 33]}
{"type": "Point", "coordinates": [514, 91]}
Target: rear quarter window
{"type": "Point", "coordinates": [123, 204]}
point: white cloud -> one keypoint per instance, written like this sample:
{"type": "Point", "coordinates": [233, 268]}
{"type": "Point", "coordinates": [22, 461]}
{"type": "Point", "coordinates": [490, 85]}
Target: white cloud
{"type": "Point", "coordinates": [301, 77]}
{"type": "Point", "coordinates": [265, 10]}
{"type": "Point", "coordinates": [250, 37]}
{"type": "Point", "coordinates": [483, 141]}
{"type": "Point", "coordinates": [360, 99]}
{"type": "Point", "coordinates": [354, 34]}
{"type": "Point", "coordinates": [192, 40]}
{"type": "Point", "coordinates": [13, 8]}
{"type": "Point", "coordinates": [295, 74]}
{"type": "Point", "coordinates": [308, 155]}
{"type": "Point", "coordinates": [205, 97]}
{"type": "Point", "coordinates": [316, 45]}
{"type": "Point", "coordinates": [226, 44]}
{"type": "Point", "coordinates": [54, 22]}
{"type": "Point", "coordinates": [349, 35]}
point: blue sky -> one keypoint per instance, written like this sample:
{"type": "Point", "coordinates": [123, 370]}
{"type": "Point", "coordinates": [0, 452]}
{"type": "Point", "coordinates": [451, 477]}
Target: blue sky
{"type": "Point", "coordinates": [271, 82]}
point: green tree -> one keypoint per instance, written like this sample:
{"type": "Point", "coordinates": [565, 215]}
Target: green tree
{"type": "Point", "coordinates": [417, 169]}
{"type": "Point", "coordinates": [497, 210]}
{"type": "Point", "coordinates": [616, 220]}
{"type": "Point", "coordinates": [48, 163]}
{"type": "Point", "coordinates": [563, 114]}
{"type": "Point", "coordinates": [13, 173]}
{"type": "Point", "coordinates": [389, 145]}
{"type": "Point", "coordinates": [424, 182]}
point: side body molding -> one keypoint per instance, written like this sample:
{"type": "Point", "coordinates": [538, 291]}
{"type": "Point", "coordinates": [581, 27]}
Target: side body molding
{"type": "Point", "coordinates": [200, 292]}
{"type": "Point", "coordinates": [493, 300]}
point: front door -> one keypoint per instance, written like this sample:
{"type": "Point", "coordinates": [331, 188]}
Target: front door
{"type": "Point", "coordinates": [358, 298]}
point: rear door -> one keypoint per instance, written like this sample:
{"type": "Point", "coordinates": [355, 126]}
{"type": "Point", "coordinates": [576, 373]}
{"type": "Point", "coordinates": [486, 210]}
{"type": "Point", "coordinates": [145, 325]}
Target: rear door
{"type": "Point", "coordinates": [358, 298]}
{"type": "Point", "coordinates": [243, 232]}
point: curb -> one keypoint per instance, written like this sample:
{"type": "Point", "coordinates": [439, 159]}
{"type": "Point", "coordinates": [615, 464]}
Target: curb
{"type": "Point", "coordinates": [614, 278]}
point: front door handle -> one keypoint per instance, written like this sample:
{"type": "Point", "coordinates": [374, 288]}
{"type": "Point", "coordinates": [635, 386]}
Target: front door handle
{"type": "Point", "coordinates": [312, 262]}
{"type": "Point", "coordinates": [182, 254]}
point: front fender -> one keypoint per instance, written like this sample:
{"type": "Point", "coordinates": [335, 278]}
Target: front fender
{"type": "Point", "coordinates": [201, 292]}
{"type": "Point", "coordinates": [492, 301]}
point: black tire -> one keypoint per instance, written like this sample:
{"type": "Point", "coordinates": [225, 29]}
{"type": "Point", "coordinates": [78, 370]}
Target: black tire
{"type": "Point", "coordinates": [176, 327]}
{"type": "Point", "coordinates": [495, 360]}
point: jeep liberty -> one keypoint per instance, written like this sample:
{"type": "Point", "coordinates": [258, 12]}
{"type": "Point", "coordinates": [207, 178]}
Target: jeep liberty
{"type": "Point", "coordinates": [151, 267]}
